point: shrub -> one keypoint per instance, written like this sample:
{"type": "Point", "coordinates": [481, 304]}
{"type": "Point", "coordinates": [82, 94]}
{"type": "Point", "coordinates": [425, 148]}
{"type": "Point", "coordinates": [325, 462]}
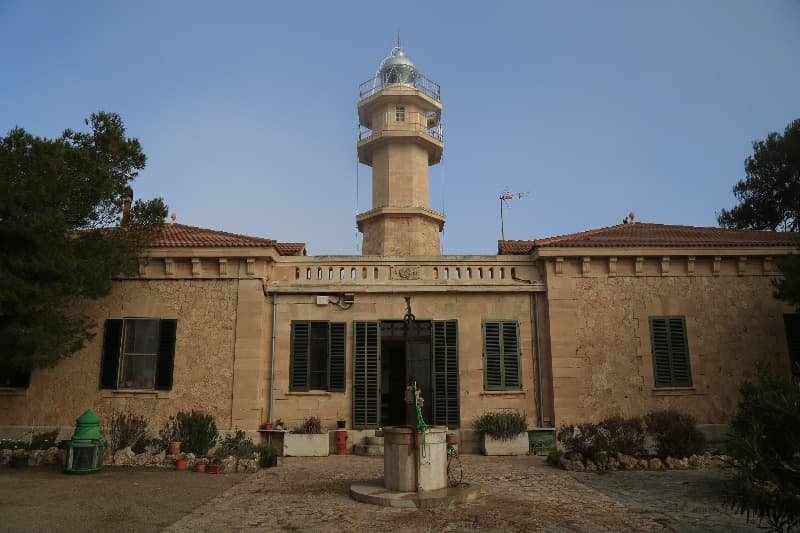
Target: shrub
{"type": "Point", "coordinates": [239, 445]}
{"type": "Point", "coordinates": [311, 424]}
{"type": "Point", "coordinates": [124, 429]}
{"type": "Point", "coordinates": [12, 444]}
{"type": "Point", "coordinates": [44, 440]}
{"type": "Point", "coordinates": [611, 436]}
{"type": "Point", "coordinates": [625, 435]}
{"type": "Point", "coordinates": [144, 442]}
{"type": "Point", "coordinates": [196, 430]}
{"type": "Point", "coordinates": [168, 432]}
{"type": "Point", "coordinates": [265, 452]}
{"type": "Point", "coordinates": [765, 444]}
{"type": "Point", "coordinates": [585, 439]}
{"type": "Point", "coordinates": [502, 425]}
{"type": "Point", "coordinates": [675, 433]}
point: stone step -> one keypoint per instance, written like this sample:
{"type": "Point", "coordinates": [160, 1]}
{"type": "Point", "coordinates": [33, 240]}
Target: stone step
{"type": "Point", "coordinates": [367, 449]}
{"type": "Point", "coordinates": [374, 441]}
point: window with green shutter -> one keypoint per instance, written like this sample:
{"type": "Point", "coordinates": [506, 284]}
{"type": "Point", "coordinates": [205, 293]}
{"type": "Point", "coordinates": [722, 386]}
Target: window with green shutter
{"type": "Point", "coordinates": [501, 355]}
{"type": "Point", "coordinates": [792, 323]}
{"type": "Point", "coordinates": [138, 353]}
{"type": "Point", "coordinates": [671, 366]}
{"type": "Point", "coordinates": [317, 356]}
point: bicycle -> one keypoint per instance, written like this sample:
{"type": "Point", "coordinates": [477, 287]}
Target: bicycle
{"type": "Point", "coordinates": [455, 472]}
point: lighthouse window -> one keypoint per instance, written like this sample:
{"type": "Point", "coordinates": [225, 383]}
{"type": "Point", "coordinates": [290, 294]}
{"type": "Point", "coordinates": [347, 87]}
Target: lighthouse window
{"type": "Point", "coordinates": [400, 113]}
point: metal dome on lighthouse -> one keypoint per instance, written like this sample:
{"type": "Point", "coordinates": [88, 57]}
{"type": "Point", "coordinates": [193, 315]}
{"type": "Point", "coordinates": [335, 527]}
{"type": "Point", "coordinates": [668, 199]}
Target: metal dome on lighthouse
{"type": "Point", "coordinates": [398, 68]}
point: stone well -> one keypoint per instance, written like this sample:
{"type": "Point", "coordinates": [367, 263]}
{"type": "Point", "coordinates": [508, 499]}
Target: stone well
{"type": "Point", "coordinates": [408, 466]}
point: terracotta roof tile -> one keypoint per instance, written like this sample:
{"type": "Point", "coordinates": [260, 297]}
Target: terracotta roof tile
{"type": "Point", "coordinates": [291, 248]}
{"type": "Point", "coordinates": [642, 234]}
{"type": "Point", "coordinates": [182, 236]}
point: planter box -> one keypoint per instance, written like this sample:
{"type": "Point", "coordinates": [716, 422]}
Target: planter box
{"type": "Point", "coordinates": [306, 444]}
{"type": "Point", "coordinates": [514, 446]}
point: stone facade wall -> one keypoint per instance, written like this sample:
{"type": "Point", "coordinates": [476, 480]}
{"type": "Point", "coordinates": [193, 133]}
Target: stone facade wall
{"type": "Point", "coordinates": [206, 313]}
{"type": "Point", "coordinates": [401, 236]}
{"type": "Point", "coordinates": [468, 309]}
{"type": "Point", "coordinates": [601, 345]}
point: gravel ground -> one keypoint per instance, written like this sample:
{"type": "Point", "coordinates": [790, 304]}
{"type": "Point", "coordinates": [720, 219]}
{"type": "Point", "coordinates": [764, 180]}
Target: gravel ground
{"type": "Point", "coordinates": [682, 500]}
{"type": "Point", "coordinates": [114, 499]}
{"type": "Point", "coordinates": [311, 494]}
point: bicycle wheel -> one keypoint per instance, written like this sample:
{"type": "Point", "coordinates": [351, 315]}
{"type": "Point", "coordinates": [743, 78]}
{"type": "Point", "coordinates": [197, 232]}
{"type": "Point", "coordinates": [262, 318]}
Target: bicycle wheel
{"type": "Point", "coordinates": [455, 472]}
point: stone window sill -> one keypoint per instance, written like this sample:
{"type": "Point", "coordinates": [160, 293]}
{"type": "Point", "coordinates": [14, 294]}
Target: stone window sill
{"type": "Point", "coordinates": [135, 393]}
{"type": "Point", "coordinates": [674, 391]}
{"type": "Point", "coordinates": [504, 392]}
{"type": "Point", "coordinates": [310, 393]}
{"type": "Point", "coordinates": [13, 391]}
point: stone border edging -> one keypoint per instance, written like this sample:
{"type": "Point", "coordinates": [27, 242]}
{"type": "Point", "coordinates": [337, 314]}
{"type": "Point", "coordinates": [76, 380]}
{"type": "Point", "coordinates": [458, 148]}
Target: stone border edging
{"type": "Point", "coordinates": [575, 462]}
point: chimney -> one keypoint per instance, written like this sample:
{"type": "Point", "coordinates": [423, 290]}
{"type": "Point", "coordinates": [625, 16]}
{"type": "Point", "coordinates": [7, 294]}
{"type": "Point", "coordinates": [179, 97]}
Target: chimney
{"type": "Point", "coordinates": [126, 208]}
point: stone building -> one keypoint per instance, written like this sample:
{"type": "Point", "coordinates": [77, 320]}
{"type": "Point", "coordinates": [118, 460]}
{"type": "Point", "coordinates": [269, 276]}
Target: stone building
{"type": "Point", "coordinates": [618, 320]}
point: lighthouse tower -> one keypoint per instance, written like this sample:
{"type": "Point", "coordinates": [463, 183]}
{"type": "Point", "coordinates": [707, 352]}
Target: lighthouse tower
{"type": "Point", "coordinates": [399, 114]}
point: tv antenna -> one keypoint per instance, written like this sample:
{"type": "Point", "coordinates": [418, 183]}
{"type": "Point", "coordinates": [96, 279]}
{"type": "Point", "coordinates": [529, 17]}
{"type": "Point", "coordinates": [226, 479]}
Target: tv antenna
{"type": "Point", "coordinates": [505, 197]}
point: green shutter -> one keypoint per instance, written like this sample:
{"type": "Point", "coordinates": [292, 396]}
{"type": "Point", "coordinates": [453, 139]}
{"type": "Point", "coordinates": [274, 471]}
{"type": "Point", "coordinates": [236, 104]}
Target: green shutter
{"type": "Point", "coordinates": [681, 372]}
{"type": "Point", "coordinates": [336, 357]}
{"type": "Point", "coordinates": [366, 375]}
{"type": "Point", "coordinates": [792, 323]}
{"type": "Point", "coordinates": [165, 364]}
{"type": "Point", "coordinates": [511, 366]}
{"type": "Point", "coordinates": [501, 354]}
{"type": "Point", "coordinates": [492, 356]}
{"type": "Point", "coordinates": [112, 344]}
{"type": "Point", "coordinates": [445, 368]}
{"type": "Point", "coordinates": [671, 367]}
{"type": "Point", "coordinates": [299, 358]}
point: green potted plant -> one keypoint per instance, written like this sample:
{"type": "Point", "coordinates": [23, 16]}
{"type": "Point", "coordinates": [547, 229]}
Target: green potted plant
{"type": "Point", "coordinates": [180, 462]}
{"type": "Point", "coordinates": [219, 454]}
{"type": "Point", "coordinates": [503, 433]}
{"type": "Point", "coordinates": [267, 455]}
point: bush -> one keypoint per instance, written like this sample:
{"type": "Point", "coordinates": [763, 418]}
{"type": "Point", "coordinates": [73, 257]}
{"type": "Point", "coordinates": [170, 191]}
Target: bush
{"type": "Point", "coordinates": [144, 442]}
{"type": "Point", "coordinates": [12, 444]}
{"type": "Point", "coordinates": [311, 424]}
{"type": "Point", "coordinates": [502, 425]}
{"type": "Point", "coordinates": [124, 429]}
{"type": "Point", "coordinates": [610, 436]}
{"type": "Point", "coordinates": [239, 445]}
{"type": "Point", "coordinates": [265, 452]}
{"type": "Point", "coordinates": [765, 444]}
{"type": "Point", "coordinates": [196, 430]}
{"type": "Point", "coordinates": [625, 435]}
{"type": "Point", "coordinates": [168, 432]}
{"type": "Point", "coordinates": [44, 440]}
{"type": "Point", "coordinates": [675, 433]}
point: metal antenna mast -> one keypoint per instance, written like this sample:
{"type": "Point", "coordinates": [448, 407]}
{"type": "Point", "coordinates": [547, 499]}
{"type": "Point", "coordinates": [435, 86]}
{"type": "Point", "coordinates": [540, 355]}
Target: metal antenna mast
{"type": "Point", "coordinates": [506, 196]}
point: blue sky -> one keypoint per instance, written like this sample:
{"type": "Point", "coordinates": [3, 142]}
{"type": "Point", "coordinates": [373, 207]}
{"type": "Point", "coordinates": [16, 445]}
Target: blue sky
{"type": "Point", "coordinates": [247, 110]}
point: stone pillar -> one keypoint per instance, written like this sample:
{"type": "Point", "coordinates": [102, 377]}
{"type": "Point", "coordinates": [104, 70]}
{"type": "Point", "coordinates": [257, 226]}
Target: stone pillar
{"type": "Point", "coordinates": [249, 355]}
{"type": "Point", "coordinates": [405, 469]}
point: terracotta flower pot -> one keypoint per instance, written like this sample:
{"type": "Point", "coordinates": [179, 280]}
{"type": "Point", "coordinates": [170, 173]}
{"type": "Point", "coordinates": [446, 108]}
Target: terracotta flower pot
{"type": "Point", "coordinates": [200, 467]}
{"type": "Point", "coordinates": [174, 448]}
{"type": "Point", "coordinates": [214, 469]}
{"type": "Point", "coordinates": [451, 439]}
{"type": "Point", "coordinates": [180, 463]}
